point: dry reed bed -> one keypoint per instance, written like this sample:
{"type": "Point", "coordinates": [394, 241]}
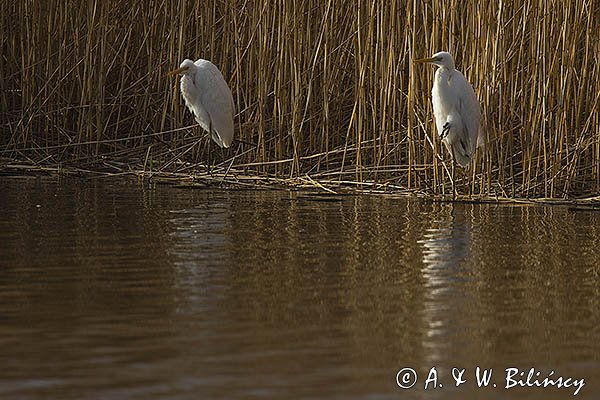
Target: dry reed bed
{"type": "Point", "coordinates": [304, 186]}
{"type": "Point", "coordinates": [325, 89]}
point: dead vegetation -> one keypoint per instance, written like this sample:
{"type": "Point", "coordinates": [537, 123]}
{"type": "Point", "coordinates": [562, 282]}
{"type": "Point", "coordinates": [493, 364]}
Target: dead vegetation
{"type": "Point", "coordinates": [326, 91]}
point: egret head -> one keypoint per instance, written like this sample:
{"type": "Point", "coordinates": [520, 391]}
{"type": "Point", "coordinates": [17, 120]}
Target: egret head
{"type": "Point", "coordinates": [185, 66]}
{"type": "Point", "coordinates": [441, 59]}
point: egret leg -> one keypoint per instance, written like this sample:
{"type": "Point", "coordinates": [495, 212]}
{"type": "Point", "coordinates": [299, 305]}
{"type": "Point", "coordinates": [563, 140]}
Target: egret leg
{"type": "Point", "coordinates": [453, 185]}
{"type": "Point", "coordinates": [473, 175]}
{"type": "Point", "coordinates": [208, 166]}
{"type": "Point", "coordinates": [208, 163]}
{"type": "Point", "coordinates": [231, 164]}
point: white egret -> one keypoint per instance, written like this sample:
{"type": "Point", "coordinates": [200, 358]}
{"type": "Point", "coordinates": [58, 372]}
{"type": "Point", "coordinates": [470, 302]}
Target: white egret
{"type": "Point", "coordinates": [208, 97]}
{"type": "Point", "coordinates": [456, 109]}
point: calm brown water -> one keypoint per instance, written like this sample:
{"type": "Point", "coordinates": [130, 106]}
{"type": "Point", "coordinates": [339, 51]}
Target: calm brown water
{"type": "Point", "coordinates": [113, 290]}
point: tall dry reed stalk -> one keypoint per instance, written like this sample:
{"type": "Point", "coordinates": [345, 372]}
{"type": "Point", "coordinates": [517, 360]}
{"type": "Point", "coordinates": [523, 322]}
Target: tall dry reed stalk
{"type": "Point", "coordinates": [324, 88]}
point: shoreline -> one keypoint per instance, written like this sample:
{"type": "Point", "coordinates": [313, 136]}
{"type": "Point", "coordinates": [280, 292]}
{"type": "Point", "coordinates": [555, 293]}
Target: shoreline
{"type": "Point", "coordinates": [236, 179]}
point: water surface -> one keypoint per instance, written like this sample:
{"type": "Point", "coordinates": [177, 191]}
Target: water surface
{"type": "Point", "coordinates": [119, 289]}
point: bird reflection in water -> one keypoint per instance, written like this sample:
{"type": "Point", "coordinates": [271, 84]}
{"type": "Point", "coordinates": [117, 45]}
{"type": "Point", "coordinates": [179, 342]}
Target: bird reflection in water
{"type": "Point", "coordinates": [446, 251]}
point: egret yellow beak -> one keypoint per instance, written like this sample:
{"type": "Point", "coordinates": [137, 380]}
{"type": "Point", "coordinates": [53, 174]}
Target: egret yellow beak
{"type": "Point", "coordinates": [426, 60]}
{"type": "Point", "coordinates": [178, 71]}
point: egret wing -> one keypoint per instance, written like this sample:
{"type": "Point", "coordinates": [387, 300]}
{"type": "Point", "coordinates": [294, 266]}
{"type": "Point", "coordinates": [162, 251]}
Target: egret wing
{"type": "Point", "coordinates": [217, 101]}
{"type": "Point", "coordinates": [468, 109]}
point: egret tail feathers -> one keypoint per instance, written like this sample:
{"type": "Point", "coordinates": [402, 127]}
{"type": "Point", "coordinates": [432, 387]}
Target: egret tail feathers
{"type": "Point", "coordinates": [459, 150]}
{"type": "Point", "coordinates": [218, 140]}
{"type": "Point", "coordinates": [462, 158]}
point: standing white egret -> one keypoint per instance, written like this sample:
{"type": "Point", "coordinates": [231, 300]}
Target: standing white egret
{"type": "Point", "coordinates": [208, 97]}
{"type": "Point", "coordinates": [456, 109]}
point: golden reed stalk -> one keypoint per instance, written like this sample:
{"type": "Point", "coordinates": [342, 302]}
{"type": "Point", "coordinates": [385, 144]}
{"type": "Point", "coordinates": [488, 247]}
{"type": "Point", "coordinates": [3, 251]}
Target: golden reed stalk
{"type": "Point", "coordinates": [324, 88]}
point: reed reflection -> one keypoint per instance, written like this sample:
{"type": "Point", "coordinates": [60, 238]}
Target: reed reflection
{"type": "Point", "coordinates": [288, 273]}
{"type": "Point", "coordinates": [279, 293]}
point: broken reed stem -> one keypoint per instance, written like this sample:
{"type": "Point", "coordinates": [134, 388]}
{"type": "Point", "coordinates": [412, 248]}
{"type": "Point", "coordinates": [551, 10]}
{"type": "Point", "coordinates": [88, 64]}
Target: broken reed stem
{"type": "Point", "coordinates": [331, 87]}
